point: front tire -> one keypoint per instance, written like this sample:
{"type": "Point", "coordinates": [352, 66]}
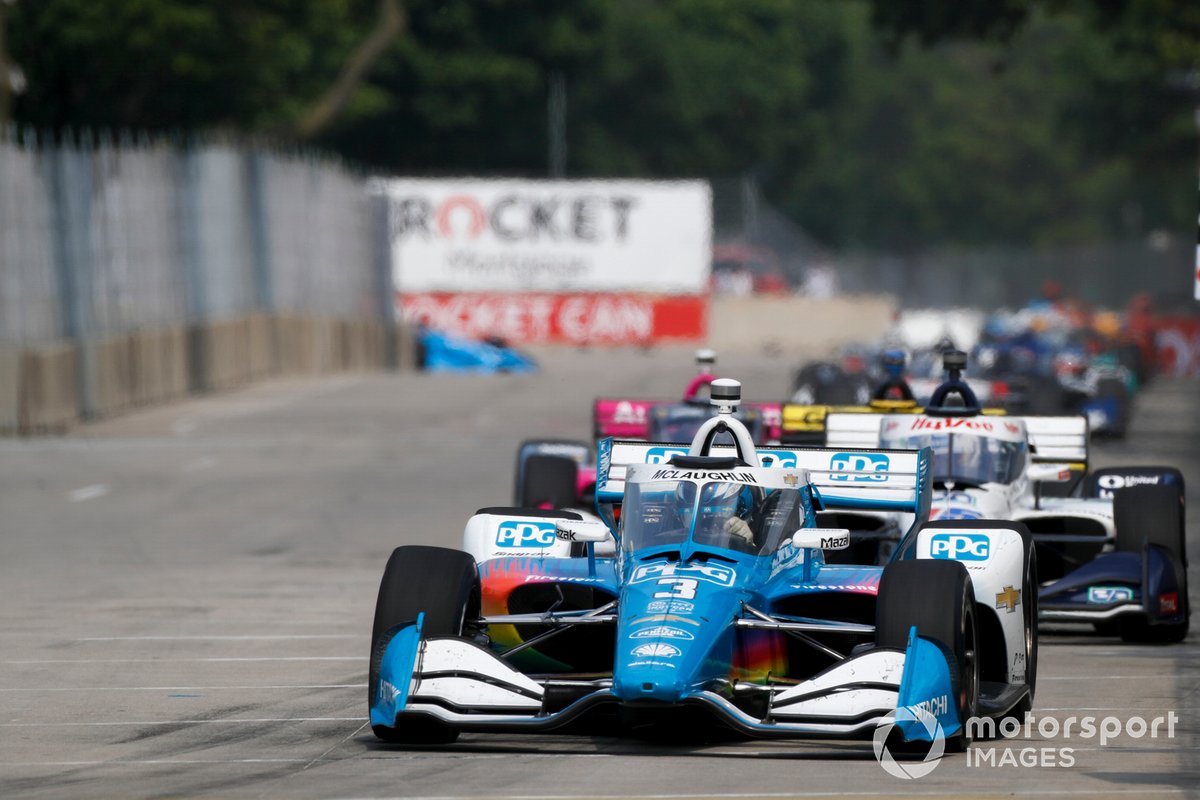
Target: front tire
{"type": "Point", "coordinates": [442, 584]}
{"type": "Point", "coordinates": [938, 598]}
{"type": "Point", "coordinates": [1029, 591]}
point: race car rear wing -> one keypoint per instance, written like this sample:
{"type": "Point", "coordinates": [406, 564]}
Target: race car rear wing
{"type": "Point", "coordinates": [806, 424]}
{"type": "Point", "coordinates": [859, 478]}
{"type": "Point", "coordinates": [1059, 440]}
{"type": "Point", "coordinates": [1054, 440]}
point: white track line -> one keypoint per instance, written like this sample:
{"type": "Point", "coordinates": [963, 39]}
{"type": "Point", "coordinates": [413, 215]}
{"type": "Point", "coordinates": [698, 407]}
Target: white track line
{"type": "Point", "coordinates": [262, 721]}
{"type": "Point", "coordinates": [40, 690]}
{"type": "Point", "coordinates": [1090, 792]}
{"type": "Point", "coordinates": [213, 660]}
{"type": "Point", "coordinates": [241, 638]}
{"type": "Point", "coordinates": [86, 493]}
{"type": "Point", "coordinates": [1174, 674]}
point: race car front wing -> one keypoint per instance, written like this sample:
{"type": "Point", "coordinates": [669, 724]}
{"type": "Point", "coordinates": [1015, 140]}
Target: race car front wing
{"type": "Point", "coordinates": [465, 685]}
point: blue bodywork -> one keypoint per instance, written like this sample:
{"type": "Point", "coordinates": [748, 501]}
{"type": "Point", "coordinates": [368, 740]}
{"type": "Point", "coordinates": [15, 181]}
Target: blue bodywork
{"type": "Point", "coordinates": [445, 352]}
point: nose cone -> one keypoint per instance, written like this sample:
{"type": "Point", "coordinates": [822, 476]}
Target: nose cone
{"type": "Point", "coordinates": [674, 635]}
{"type": "Point", "coordinates": [636, 685]}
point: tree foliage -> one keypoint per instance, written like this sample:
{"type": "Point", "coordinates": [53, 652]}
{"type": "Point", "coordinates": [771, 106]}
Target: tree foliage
{"type": "Point", "coordinates": [894, 124]}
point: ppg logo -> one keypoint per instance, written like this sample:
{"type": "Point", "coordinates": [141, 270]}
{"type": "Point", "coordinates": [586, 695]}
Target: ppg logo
{"type": "Point", "coordinates": [960, 546]}
{"type": "Point", "coordinates": [873, 465]}
{"type": "Point", "coordinates": [525, 534]}
{"type": "Point", "coordinates": [663, 455]}
{"type": "Point", "coordinates": [784, 460]}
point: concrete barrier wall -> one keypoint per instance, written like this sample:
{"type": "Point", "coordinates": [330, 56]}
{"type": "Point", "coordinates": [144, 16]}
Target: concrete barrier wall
{"type": "Point", "coordinates": [803, 327]}
{"type": "Point", "coordinates": [10, 389]}
{"type": "Point", "coordinates": [40, 389]}
{"type": "Point", "coordinates": [49, 399]}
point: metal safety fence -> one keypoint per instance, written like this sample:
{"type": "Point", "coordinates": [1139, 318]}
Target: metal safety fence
{"type": "Point", "coordinates": [110, 243]}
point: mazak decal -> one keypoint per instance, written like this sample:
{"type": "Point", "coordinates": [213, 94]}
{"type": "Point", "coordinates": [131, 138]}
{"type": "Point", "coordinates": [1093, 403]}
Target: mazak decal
{"type": "Point", "coordinates": [677, 474]}
{"type": "Point", "coordinates": [662, 632]}
{"type": "Point", "coordinates": [1109, 594]}
{"type": "Point", "coordinates": [656, 650]}
{"type": "Point", "coordinates": [835, 542]}
{"type": "Point", "coordinates": [663, 455]}
{"type": "Point", "coordinates": [512, 535]}
{"type": "Point", "coordinates": [960, 546]}
{"type": "Point", "coordinates": [712, 573]}
{"type": "Point", "coordinates": [859, 467]}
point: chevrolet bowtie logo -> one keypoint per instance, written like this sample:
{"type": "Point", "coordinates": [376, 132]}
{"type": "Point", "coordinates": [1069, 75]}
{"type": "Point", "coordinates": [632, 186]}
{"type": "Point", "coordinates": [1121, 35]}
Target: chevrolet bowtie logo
{"type": "Point", "coordinates": [791, 480]}
{"type": "Point", "coordinates": [1010, 598]}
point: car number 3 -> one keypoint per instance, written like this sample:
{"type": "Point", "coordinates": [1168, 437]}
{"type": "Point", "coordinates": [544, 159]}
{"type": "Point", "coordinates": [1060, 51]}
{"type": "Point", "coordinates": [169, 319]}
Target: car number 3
{"type": "Point", "coordinates": [684, 588]}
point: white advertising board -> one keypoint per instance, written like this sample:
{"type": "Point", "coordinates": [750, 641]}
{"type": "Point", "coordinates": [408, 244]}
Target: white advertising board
{"type": "Point", "coordinates": [474, 235]}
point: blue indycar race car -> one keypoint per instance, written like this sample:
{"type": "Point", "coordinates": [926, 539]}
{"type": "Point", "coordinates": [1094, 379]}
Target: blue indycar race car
{"type": "Point", "coordinates": [700, 596]}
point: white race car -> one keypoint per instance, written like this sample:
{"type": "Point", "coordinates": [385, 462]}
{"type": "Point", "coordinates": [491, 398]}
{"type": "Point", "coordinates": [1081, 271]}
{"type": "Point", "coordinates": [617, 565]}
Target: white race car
{"type": "Point", "coordinates": [1112, 555]}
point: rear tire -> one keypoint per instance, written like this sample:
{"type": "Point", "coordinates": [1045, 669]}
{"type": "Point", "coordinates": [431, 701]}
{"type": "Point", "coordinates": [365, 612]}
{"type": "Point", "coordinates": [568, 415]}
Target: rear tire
{"type": "Point", "coordinates": [436, 581]}
{"type": "Point", "coordinates": [1153, 515]}
{"type": "Point", "coordinates": [937, 597]}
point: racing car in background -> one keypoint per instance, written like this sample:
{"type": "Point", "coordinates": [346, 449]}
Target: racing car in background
{"type": "Point", "coordinates": [718, 608]}
{"type": "Point", "coordinates": [1110, 550]}
{"type": "Point", "coordinates": [678, 421]}
{"type": "Point", "coordinates": [894, 391]}
{"type": "Point", "coordinates": [561, 473]}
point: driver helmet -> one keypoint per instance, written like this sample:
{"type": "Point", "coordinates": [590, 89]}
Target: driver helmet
{"type": "Point", "coordinates": [719, 503]}
{"type": "Point", "coordinates": [970, 454]}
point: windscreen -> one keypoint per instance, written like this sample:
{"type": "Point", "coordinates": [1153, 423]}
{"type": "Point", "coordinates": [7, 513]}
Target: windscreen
{"type": "Point", "coordinates": [966, 457]}
{"type": "Point", "coordinates": [731, 516]}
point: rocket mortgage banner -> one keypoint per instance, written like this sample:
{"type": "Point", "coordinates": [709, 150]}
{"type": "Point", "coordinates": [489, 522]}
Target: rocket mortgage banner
{"type": "Point", "coordinates": [580, 319]}
{"type": "Point", "coordinates": [561, 237]}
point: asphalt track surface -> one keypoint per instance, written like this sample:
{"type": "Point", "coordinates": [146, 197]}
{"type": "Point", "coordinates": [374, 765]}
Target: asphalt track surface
{"type": "Point", "coordinates": [187, 599]}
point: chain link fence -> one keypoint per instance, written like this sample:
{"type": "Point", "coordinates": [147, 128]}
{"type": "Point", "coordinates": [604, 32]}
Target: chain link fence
{"type": "Point", "coordinates": [134, 271]}
{"type": "Point", "coordinates": [100, 237]}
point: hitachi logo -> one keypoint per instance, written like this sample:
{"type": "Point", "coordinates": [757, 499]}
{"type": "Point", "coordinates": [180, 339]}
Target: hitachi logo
{"type": "Point", "coordinates": [937, 706]}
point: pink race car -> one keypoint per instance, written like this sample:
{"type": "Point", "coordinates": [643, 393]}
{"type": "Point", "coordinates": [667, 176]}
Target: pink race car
{"type": "Point", "coordinates": [562, 473]}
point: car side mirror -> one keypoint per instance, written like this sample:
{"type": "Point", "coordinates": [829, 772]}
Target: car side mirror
{"type": "Point", "coordinates": [822, 538]}
{"type": "Point", "coordinates": [573, 530]}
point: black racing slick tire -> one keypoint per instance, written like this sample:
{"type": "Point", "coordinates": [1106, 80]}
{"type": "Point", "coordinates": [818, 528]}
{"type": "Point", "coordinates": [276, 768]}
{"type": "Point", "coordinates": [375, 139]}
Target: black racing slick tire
{"type": "Point", "coordinates": [442, 584]}
{"type": "Point", "coordinates": [938, 598]}
{"type": "Point", "coordinates": [549, 480]}
{"type": "Point", "coordinates": [1029, 603]}
{"type": "Point", "coordinates": [1153, 515]}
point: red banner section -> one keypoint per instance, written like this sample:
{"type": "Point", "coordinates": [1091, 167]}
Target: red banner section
{"type": "Point", "coordinates": [1177, 345]}
{"type": "Point", "coordinates": [601, 319]}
